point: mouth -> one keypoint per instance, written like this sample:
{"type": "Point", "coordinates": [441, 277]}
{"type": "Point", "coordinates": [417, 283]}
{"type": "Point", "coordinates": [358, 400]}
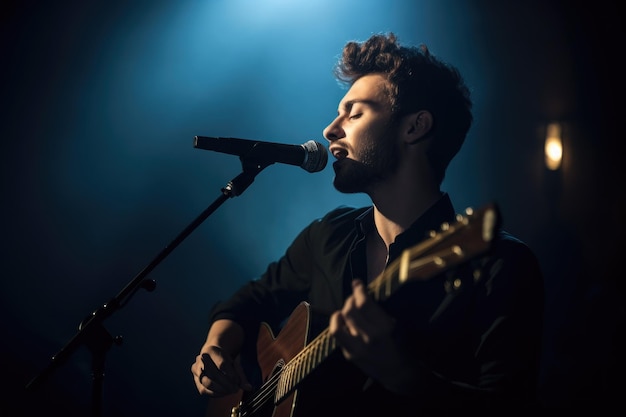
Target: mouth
{"type": "Point", "coordinates": [338, 152]}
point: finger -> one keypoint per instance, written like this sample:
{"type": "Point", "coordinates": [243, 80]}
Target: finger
{"type": "Point", "coordinates": [335, 323]}
{"type": "Point", "coordinates": [348, 342]}
{"type": "Point", "coordinates": [348, 317]}
{"type": "Point", "coordinates": [218, 380]}
{"type": "Point", "coordinates": [358, 291]}
{"type": "Point", "coordinates": [353, 317]}
{"type": "Point", "coordinates": [204, 384]}
{"type": "Point", "coordinates": [365, 320]}
{"type": "Point", "coordinates": [196, 370]}
{"type": "Point", "coordinates": [224, 374]}
{"type": "Point", "coordinates": [351, 346]}
{"type": "Point", "coordinates": [339, 328]}
{"type": "Point", "coordinates": [361, 298]}
{"type": "Point", "coordinates": [367, 316]}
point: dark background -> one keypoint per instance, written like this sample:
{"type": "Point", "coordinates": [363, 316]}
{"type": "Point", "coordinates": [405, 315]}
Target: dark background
{"type": "Point", "coordinates": [100, 103]}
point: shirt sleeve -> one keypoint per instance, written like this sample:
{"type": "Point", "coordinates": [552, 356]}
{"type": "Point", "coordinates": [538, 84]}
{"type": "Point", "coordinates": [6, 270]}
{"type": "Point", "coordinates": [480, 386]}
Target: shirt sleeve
{"type": "Point", "coordinates": [310, 270]}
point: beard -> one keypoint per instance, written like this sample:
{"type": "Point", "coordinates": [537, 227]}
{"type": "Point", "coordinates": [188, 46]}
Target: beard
{"type": "Point", "coordinates": [377, 162]}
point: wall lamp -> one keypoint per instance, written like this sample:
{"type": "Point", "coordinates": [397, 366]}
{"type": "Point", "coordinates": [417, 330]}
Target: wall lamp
{"type": "Point", "coordinates": [553, 148]}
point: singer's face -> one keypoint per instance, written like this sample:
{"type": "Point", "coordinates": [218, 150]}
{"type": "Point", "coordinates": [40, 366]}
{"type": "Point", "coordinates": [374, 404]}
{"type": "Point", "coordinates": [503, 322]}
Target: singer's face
{"type": "Point", "coordinates": [363, 138]}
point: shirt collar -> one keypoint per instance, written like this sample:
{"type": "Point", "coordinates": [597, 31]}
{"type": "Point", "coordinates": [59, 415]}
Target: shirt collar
{"type": "Point", "coordinates": [440, 212]}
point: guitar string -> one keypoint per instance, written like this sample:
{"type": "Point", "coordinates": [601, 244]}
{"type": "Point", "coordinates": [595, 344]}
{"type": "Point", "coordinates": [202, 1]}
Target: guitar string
{"type": "Point", "coordinates": [262, 397]}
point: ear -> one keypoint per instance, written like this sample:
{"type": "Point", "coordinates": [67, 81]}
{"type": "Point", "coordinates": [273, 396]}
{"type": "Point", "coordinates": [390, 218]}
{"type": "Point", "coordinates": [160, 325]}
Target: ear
{"type": "Point", "coordinates": [416, 126]}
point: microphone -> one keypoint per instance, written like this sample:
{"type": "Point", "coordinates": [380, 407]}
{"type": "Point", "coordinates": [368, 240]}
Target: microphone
{"type": "Point", "coordinates": [311, 156]}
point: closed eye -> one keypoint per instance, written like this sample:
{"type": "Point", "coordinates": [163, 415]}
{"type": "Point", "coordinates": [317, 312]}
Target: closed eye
{"type": "Point", "coordinates": [355, 116]}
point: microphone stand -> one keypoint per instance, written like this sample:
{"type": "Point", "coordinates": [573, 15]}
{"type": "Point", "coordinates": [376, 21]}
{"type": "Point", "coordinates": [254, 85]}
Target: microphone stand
{"type": "Point", "coordinates": [91, 331]}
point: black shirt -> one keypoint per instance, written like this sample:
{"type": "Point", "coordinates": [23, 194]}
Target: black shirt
{"type": "Point", "coordinates": [474, 329]}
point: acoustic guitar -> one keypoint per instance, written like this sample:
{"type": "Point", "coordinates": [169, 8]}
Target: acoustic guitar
{"type": "Point", "coordinates": [288, 359]}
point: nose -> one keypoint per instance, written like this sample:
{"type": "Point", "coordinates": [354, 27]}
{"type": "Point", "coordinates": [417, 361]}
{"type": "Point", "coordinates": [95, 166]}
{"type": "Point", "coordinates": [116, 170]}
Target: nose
{"type": "Point", "coordinates": [334, 130]}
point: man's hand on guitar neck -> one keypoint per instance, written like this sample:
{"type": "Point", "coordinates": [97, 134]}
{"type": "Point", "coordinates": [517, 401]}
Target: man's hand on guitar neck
{"type": "Point", "coordinates": [365, 333]}
{"type": "Point", "coordinates": [217, 371]}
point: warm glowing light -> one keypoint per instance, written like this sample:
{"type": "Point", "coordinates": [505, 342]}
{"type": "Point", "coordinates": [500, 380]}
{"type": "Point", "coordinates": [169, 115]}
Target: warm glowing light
{"type": "Point", "coordinates": [553, 147]}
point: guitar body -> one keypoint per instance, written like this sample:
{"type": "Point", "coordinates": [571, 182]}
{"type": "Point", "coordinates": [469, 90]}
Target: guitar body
{"type": "Point", "coordinates": [272, 354]}
{"type": "Point", "coordinates": [222, 406]}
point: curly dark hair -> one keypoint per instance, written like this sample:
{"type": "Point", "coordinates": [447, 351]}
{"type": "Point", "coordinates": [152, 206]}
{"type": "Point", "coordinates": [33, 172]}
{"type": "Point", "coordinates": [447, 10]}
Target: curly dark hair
{"type": "Point", "coordinates": [418, 81]}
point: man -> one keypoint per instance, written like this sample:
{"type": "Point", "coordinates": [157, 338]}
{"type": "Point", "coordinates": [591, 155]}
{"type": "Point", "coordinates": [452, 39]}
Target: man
{"type": "Point", "coordinates": [465, 339]}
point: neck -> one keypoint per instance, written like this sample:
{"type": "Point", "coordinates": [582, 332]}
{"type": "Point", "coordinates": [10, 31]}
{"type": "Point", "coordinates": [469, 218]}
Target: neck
{"type": "Point", "coordinates": [397, 204]}
{"type": "Point", "coordinates": [393, 220]}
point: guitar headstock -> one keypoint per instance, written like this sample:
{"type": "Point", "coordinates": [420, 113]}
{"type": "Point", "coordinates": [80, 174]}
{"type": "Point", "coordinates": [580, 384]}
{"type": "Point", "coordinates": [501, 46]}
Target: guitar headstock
{"type": "Point", "coordinates": [470, 236]}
